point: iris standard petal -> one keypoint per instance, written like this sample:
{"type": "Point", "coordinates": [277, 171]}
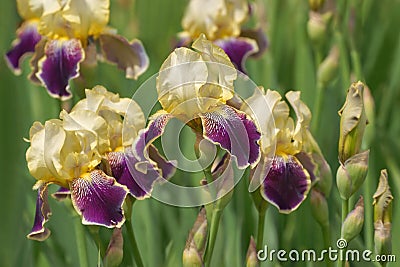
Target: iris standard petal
{"type": "Point", "coordinates": [39, 232]}
{"type": "Point", "coordinates": [99, 198]}
{"type": "Point", "coordinates": [233, 131]}
{"type": "Point", "coordinates": [238, 50]}
{"type": "Point", "coordinates": [59, 65]}
{"type": "Point", "coordinates": [25, 43]}
{"type": "Point", "coordinates": [287, 183]}
{"type": "Point", "coordinates": [128, 56]}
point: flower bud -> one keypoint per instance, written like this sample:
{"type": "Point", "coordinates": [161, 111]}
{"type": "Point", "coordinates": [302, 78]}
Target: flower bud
{"type": "Point", "coordinates": [352, 123]}
{"type": "Point", "coordinates": [251, 256]}
{"type": "Point", "coordinates": [115, 252]}
{"type": "Point", "coordinates": [196, 242]}
{"type": "Point", "coordinates": [328, 68]}
{"type": "Point", "coordinates": [316, 4]}
{"type": "Point", "coordinates": [316, 28]}
{"type": "Point", "coordinates": [383, 216]}
{"type": "Point", "coordinates": [319, 207]}
{"type": "Point", "coordinates": [354, 221]}
{"type": "Point", "coordinates": [351, 175]}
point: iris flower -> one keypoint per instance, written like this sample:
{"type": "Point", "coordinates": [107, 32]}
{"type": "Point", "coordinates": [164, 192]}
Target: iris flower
{"type": "Point", "coordinates": [297, 161]}
{"type": "Point", "coordinates": [221, 21]}
{"type": "Point", "coordinates": [83, 152]}
{"type": "Point", "coordinates": [194, 86]}
{"type": "Point", "coordinates": [63, 34]}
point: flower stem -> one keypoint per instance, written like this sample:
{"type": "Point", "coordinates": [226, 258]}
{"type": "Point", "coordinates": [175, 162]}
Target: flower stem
{"type": "Point", "coordinates": [81, 244]}
{"type": "Point", "coordinates": [317, 107]}
{"type": "Point", "coordinates": [345, 211]}
{"type": "Point", "coordinates": [260, 230]}
{"type": "Point", "coordinates": [216, 217]}
{"type": "Point", "coordinates": [326, 234]}
{"type": "Point", "coordinates": [132, 239]}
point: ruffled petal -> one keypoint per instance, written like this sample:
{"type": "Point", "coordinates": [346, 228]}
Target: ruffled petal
{"type": "Point", "coordinates": [99, 198]}
{"type": "Point", "coordinates": [139, 184]}
{"type": "Point", "coordinates": [259, 36]}
{"type": "Point", "coordinates": [39, 232]}
{"type": "Point", "coordinates": [287, 183]}
{"type": "Point", "coordinates": [238, 50]}
{"type": "Point", "coordinates": [130, 57]}
{"type": "Point", "coordinates": [34, 63]}
{"type": "Point", "coordinates": [59, 65]}
{"type": "Point", "coordinates": [25, 43]}
{"type": "Point", "coordinates": [233, 131]}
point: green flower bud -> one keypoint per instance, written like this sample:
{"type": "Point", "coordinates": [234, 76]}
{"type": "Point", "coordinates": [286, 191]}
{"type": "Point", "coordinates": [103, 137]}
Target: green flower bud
{"type": "Point", "coordinates": [352, 123]}
{"type": "Point", "coordinates": [354, 221]}
{"type": "Point", "coordinates": [327, 70]}
{"type": "Point", "coordinates": [316, 28]}
{"type": "Point", "coordinates": [351, 175]}
{"type": "Point", "coordinates": [382, 203]}
{"type": "Point", "coordinates": [251, 256]}
{"type": "Point", "coordinates": [196, 242]}
{"type": "Point", "coordinates": [115, 251]}
{"type": "Point", "coordinates": [319, 207]}
{"type": "Point", "coordinates": [316, 4]}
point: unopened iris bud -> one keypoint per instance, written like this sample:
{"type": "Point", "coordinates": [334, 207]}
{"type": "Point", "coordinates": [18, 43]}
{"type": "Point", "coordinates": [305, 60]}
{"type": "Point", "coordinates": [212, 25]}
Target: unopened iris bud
{"type": "Point", "coordinates": [316, 28]}
{"type": "Point", "coordinates": [354, 221]}
{"type": "Point", "coordinates": [319, 207]}
{"type": "Point", "coordinates": [115, 252]}
{"type": "Point", "coordinates": [383, 215]}
{"type": "Point", "coordinates": [251, 256]}
{"type": "Point", "coordinates": [351, 175]}
{"type": "Point", "coordinates": [352, 123]}
{"type": "Point", "coordinates": [196, 242]}
{"type": "Point", "coordinates": [328, 68]}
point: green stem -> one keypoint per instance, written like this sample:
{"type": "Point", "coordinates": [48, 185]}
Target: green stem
{"type": "Point", "coordinates": [132, 239]}
{"type": "Point", "coordinates": [345, 211]}
{"type": "Point", "coordinates": [326, 234]}
{"type": "Point", "coordinates": [260, 230]}
{"type": "Point", "coordinates": [368, 223]}
{"type": "Point", "coordinates": [216, 217]}
{"type": "Point", "coordinates": [81, 244]}
{"type": "Point", "coordinates": [317, 107]}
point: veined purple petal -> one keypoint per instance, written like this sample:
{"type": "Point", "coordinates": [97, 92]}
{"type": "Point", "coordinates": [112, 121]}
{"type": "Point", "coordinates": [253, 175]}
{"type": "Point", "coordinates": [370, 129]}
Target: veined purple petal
{"type": "Point", "coordinates": [27, 38]}
{"type": "Point", "coordinates": [59, 65]}
{"type": "Point", "coordinates": [130, 57]}
{"type": "Point", "coordinates": [238, 50]}
{"type": "Point", "coordinates": [39, 232]}
{"type": "Point", "coordinates": [139, 184]}
{"type": "Point", "coordinates": [287, 183]}
{"type": "Point", "coordinates": [99, 198]}
{"type": "Point", "coordinates": [61, 194]}
{"type": "Point", "coordinates": [233, 131]}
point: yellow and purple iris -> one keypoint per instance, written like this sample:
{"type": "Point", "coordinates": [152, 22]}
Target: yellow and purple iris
{"type": "Point", "coordinates": [297, 160]}
{"type": "Point", "coordinates": [194, 86]}
{"type": "Point", "coordinates": [221, 22]}
{"type": "Point", "coordinates": [83, 152]}
{"type": "Point", "coordinates": [62, 34]}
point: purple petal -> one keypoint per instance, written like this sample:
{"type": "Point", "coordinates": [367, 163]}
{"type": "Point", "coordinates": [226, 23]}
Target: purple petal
{"type": "Point", "coordinates": [287, 183]}
{"type": "Point", "coordinates": [238, 49]}
{"type": "Point", "coordinates": [59, 65]}
{"type": "Point", "coordinates": [38, 55]}
{"type": "Point", "coordinates": [61, 194]}
{"type": "Point", "coordinates": [39, 232]}
{"type": "Point", "coordinates": [98, 198]}
{"type": "Point", "coordinates": [307, 161]}
{"type": "Point", "coordinates": [130, 57]}
{"type": "Point", "coordinates": [259, 36]}
{"type": "Point", "coordinates": [139, 184]}
{"type": "Point", "coordinates": [233, 131]}
{"type": "Point", "coordinates": [25, 43]}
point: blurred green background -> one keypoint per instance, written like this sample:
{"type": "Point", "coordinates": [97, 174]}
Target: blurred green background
{"type": "Point", "coordinates": [288, 64]}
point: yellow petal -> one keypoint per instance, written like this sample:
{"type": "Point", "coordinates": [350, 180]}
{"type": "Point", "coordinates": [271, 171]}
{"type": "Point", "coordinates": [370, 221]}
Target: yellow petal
{"type": "Point", "coordinates": [30, 9]}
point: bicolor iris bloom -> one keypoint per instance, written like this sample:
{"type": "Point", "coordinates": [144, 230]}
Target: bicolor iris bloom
{"type": "Point", "coordinates": [63, 34]}
{"type": "Point", "coordinates": [221, 22]}
{"type": "Point", "coordinates": [83, 152]}
{"type": "Point", "coordinates": [297, 161]}
{"type": "Point", "coordinates": [194, 86]}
